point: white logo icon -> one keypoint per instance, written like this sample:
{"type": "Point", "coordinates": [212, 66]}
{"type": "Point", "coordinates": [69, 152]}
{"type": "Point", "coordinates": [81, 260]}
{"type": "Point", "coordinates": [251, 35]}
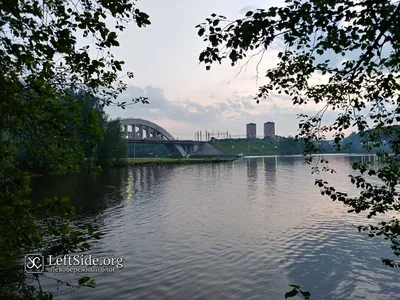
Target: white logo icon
{"type": "Point", "coordinates": [34, 263]}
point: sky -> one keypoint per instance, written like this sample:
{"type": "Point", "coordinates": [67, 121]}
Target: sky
{"type": "Point", "coordinates": [183, 96]}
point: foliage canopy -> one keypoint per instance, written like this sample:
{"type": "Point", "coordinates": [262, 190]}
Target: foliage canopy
{"type": "Point", "coordinates": [49, 50]}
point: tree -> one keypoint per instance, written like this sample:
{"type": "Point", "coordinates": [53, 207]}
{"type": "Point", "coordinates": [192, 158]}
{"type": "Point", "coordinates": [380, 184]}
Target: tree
{"type": "Point", "coordinates": [88, 115]}
{"type": "Point", "coordinates": [41, 62]}
{"type": "Point", "coordinates": [93, 111]}
{"type": "Point", "coordinates": [289, 146]}
{"type": "Point", "coordinates": [112, 148]}
{"type": "Point", "coordinates": [354, 45]}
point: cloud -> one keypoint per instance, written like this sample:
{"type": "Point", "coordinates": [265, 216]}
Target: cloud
{"type": "Point", "coordinates": [234, 104]}
{"type": "Point", "coordinates": [247, 102]}
{"type": "Point", "coordinates": [183, 118]}
{"type": "Point", "coordinates": [161, 107]}
{"type": "Point", "coordinates": [163, 111]}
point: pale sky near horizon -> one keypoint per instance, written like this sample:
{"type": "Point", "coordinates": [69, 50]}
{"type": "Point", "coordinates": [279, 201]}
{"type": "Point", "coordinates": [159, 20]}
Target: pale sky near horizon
{"type": "Point", "coordinates": [183, 96]}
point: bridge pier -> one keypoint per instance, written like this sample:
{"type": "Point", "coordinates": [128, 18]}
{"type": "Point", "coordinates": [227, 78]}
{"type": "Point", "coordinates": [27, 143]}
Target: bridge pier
{"type": "Point", "coordinates": [126, 131]}
{"type": "Point", "coordinates": [148, 133]}
{"type": "Point", "coordinates": [134, 131]}
{"type": "Point", "coordinates": [190, 148]}
{"type": "Point", "coordinates": [150, 137]}
{"type": "Point", "coordinates": [140, 132]}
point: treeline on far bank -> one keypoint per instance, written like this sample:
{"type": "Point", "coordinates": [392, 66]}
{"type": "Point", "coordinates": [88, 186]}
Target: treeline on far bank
{"type": "Point", "coordinates": [290, 146]}
{"type": "Point", "coordinates": [110, 150]}
{"type": "Point", "coordinates": [267, 146]}
{"type": "Point", "coordinates": [104, 146]}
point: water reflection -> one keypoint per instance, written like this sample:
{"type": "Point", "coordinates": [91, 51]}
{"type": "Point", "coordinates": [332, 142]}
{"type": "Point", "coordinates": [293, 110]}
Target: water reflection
{"type": "Point", "coordinates": [270, 165]}
{"type": "Point", "coordinates": [324, 252]}
{"type": "Point", "coordinates": [90, 194]}
{"type": "Point", "coordinates": [252, 169]}
{"type": "Point", "coordinates": [289, 161]}
{"type": "Point", "coordinates": [227, 231]}
{"type": "Point", "coordinates": [130, 185]}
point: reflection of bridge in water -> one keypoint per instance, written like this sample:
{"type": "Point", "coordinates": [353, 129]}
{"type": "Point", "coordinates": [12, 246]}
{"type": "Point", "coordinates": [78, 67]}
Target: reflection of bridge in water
{"type": "Point", "coordinates": [145, 132]}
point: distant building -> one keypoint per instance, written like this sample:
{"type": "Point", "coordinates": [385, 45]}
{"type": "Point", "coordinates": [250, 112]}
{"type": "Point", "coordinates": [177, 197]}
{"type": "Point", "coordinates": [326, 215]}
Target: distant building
{"type": "Point", "coordinates": [251, 131]}
{"type": "Point", "coordinates": [269, 129]}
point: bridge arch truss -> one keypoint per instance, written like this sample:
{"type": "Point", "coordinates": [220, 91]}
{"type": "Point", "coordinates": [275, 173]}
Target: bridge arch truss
{"type": "Point", "coordinates": [139, 129]}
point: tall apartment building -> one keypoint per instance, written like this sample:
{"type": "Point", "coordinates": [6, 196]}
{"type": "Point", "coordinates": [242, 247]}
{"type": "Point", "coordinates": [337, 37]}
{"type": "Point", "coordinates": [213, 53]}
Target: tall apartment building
{"type": "Point", "coordinates": [251, 131]}
{"type": "Point", "coordinates": [269, 129]}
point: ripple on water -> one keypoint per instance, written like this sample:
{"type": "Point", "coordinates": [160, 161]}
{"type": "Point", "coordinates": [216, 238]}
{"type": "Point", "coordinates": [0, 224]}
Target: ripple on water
{"type": "Point", "coordinates": [231, 231]}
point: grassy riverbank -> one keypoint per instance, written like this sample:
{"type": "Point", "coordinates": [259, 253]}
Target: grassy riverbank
{"type": "Point", "coordinates": [156, 160]}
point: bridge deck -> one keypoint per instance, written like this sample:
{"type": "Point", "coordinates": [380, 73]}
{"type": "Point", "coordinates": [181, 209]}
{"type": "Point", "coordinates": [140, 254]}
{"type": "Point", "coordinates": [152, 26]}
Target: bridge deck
{"type": "Point", "coordinates": [133, 141]}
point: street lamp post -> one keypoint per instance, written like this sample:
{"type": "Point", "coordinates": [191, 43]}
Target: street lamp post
{"type": "Point", "coordinates": [127, 148]}
{"type": "Point", "coordinates": [232, 149]}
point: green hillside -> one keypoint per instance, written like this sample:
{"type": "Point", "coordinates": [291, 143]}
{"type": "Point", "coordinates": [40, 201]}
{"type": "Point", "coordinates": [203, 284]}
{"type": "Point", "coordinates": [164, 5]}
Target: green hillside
{"type": "Point", "coordinates": [281, 146]}
{"type": "Point", "coordinates": [355, 141]}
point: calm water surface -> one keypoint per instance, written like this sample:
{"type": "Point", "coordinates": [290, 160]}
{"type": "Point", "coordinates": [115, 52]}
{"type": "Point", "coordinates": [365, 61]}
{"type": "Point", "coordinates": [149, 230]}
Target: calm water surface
{"type": "Point", "coordinates": [242, 230]}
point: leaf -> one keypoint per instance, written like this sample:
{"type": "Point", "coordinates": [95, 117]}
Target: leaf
{"type": "Point", "coordinates": [64, 228]}
{"type": "Point", "coordinates": [305, 294]}
{"type": "Point", "coordinates": [90, 229]}
{"type": "Point", "coordinates": [201, 31]}
{"type": "Point", "coordinates": [83, 280]}
{"type": "Point", "coordinates": [85, 245]}
{"type": "Point", "coordinates": [118, 66]}
{"type": "Point", "coordinates": [291, 294]}
{"type": "Point", "coordinates": [97, 235]}
{"type": "Point", "coordinates": [294, 286]}
{"type": "Point", "coordinates": [249, 13]}
{"type": "Point", "coordinates": [91, 283]}
{"type": "Point", "coordinates": [112, 35]}
{"type": "Point", "coordinates": [64, 201]}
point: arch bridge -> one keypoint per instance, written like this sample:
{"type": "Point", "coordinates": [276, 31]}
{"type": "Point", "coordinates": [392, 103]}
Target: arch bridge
{"type": "Point", "coordinates": [143, 131]}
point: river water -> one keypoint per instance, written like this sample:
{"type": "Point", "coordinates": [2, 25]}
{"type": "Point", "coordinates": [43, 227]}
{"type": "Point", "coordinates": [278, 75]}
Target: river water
{"type": "Point", "coordinates": [241, 230]}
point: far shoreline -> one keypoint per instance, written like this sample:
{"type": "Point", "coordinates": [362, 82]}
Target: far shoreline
{"type": "Point", "coordinates": [167, 160]}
